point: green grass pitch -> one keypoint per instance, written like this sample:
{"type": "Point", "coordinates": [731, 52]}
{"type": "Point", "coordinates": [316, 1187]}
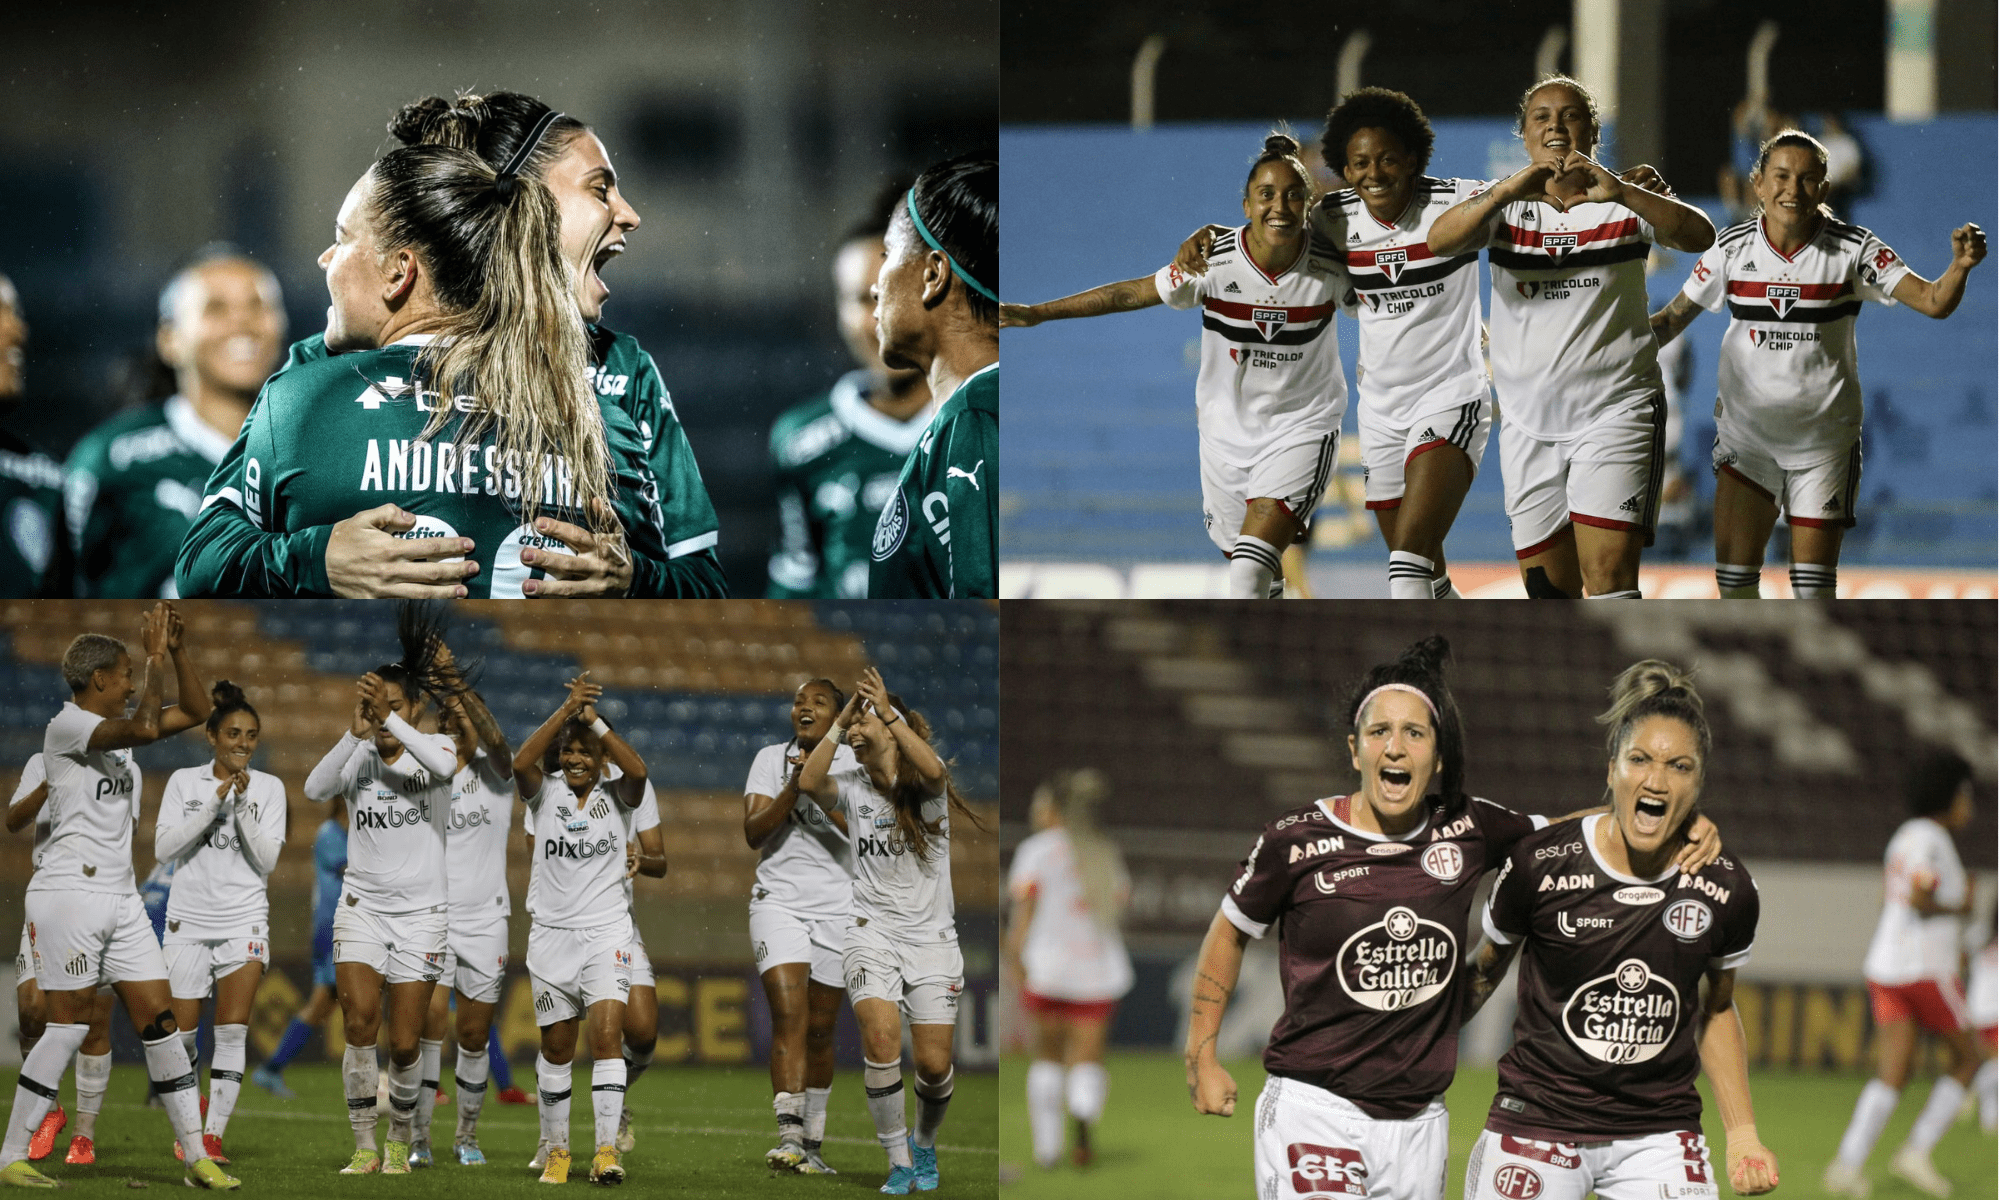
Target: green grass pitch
{"type": "Point", "coordinates": [702, 1131]}
{"type": "Point", "coordinates": [1152, 1144]}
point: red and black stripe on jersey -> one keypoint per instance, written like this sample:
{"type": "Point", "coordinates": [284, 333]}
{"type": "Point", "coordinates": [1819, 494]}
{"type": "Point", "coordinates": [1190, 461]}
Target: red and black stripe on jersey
{"type": "Point", "coordinates": [1266, 324]}
{"type": "Point", "coordinates": [1791, 303]}
{"type": "Point", "coordinates": [1568, 250]}
{"type": "Point", "coordinates": [1390, 267]}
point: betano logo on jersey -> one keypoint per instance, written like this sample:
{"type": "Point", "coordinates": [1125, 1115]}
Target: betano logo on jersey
{"type": "Point", "coordinates": [1398, 962]}
{"type": "Point", "coordinates": [1628, 1016]}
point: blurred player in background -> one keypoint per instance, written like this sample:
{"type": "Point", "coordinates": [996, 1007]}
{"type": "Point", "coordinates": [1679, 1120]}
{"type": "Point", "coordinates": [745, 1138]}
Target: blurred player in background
{"type": "Point", "coordinates": [1069, 890]}
{"type": "Point", "coordinates": [136, 481]}
{"type": "Point", "coordinates": [936, 311]}
{"type": "Point", "coordinates": [329, 866]}
{"type": "Point", "coordinates": [836, 457]}
{"type": "Point", "coordinates": [1788, 416]}
{"type": "Point", "coordinates": [34, 544]}
{"type": "Point", "coordinates": [1913, 982]}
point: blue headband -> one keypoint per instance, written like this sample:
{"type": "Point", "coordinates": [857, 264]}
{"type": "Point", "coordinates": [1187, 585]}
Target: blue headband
{"type": "Point", "coordinates": [957, 270]}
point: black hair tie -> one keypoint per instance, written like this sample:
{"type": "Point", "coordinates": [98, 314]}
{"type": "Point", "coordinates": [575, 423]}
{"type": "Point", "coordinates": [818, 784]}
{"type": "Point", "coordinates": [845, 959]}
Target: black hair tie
{"type": "Point", "coordinates": [504, 183]}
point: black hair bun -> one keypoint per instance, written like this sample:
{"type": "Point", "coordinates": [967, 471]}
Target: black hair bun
{"type": "Point", "coordinates": [1281, 143]}
{"type": "Point", "coordinates": [1428, 655]}
{"type": "Point", "coordinates": [436, 121]}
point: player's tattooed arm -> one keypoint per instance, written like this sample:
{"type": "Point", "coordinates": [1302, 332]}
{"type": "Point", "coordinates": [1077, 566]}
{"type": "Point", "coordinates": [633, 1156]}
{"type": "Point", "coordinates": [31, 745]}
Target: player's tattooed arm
{"type": "Point", "coordinates": [1216, 971]}
{"type": "Point", "coordinates": [1127, 296]}
{"type": "Point", "coordinates": [1939, 298]}
{"type": "Point", "coordinates": [1676, 316]}
{"type": "Point", "coordinates": [1489, 967]}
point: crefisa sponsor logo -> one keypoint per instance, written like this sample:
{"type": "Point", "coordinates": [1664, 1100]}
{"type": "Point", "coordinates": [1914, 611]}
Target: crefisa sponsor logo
{"type": "Point", "coordinates": [1400, 961]}
{"type": "Point", "coordinates": [1627, 1016]}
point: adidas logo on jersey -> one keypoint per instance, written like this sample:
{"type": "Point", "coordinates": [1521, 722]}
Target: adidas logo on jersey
{"type": "Point", "coordinates": [1749, 268]}
{"type": "Point", "coordinates": [1631, 505]}
{"type": "Point", "coordinates": [1429, 435]}
{"type": "Point", "coordinates": [1832, 505]}
{"type": "Point", "coordinates": [1232, 287]}
{"type": "Point", "coordinates": [1353, 238]}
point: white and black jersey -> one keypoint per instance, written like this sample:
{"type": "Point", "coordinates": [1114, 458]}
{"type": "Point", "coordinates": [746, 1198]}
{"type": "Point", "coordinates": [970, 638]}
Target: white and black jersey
{"type": "Point", "coordinates": [398, 816]}
{"type": "Point", "coordinates": [222, 858]}
{"type": "Point", "coordinates": [92, 805]}
{"type": "Point", "coordinates": [578, 880]}
{"type": "Point", "coordinates": [476, 850]}
{"type": "Point", "coordinates": [897, 892]}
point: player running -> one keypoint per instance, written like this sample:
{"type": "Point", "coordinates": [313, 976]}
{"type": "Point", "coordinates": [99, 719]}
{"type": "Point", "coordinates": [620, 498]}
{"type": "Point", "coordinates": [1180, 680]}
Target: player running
{"type": "Point", "coordinates": [1069, 889]}
{"type": "Point", "coordinates": [1788, 415]}
{"type": "Point", "coordinates": [1913, 982]}
{"type": "Point", "coordinates": [221, 825]}
{"type": "Point", "coordinates": [799, 910]}
{"type": "Point", "coordinates": [938, 536]}
{"type": "Point", "coordinates": [391, 922]}
{"type": "Point", "coordinates": [1627, 988]}
{"type": "Point", "coordinates": [580, 939]}
{"type": "Point", "coordinates": [329, 866]}
{"type": "Point", "coordinates": [86, 925]}
{"type": "Point", "coordinates": [1270, 393]}
{"type": "Point", "coordinates": [1574, 361]}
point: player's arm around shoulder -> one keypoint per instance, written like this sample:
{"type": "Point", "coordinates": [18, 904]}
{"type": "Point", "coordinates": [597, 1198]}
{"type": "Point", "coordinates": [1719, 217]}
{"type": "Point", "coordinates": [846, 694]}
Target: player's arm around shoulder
{"type": "Point", "coordinates": [1504, 923]}
{"type": "Point", "coordinates": [1127, 295]}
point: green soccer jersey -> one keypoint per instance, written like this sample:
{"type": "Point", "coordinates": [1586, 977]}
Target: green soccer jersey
{"type": "Point", "coordinates": [34, 551]}
{"type": "Point", "coordinates": [332, 437]}
{"type": "Point", "coordinates": [133, 485]}
{"type": "Point", "coordinates": [625, 375]}
{"type": "Point", "coordinates": [837, 459]}
{"type": "Point", "coordinates": [938, 535]}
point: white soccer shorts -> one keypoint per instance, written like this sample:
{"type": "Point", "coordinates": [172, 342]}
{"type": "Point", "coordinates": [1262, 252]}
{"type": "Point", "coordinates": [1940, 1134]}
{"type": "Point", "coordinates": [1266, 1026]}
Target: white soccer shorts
{"type": "Point", "coordinates": [1818, 495]}
{"type": "Point", "coordinates": [1609, 475]}
{"type": "Point", "coordinates": [1641, 1168]}
{"type": "Point", "coordinates": [1388, 448]}
{"type": "Point", "coordinates": [475, 960]}
{"type": "Point", "coordinates": [642, 963]}
{"type": "Point", "coordinates": [1296, 474]}
{"type": "Point", "coordinates": [82, 939]}
{"type": "Point", "coordinates": [777, 936]}
{"type": "Point", "coordinates": [404, 948]}
{"type": "Point", "coordinates": [572, 969]}
{"type": "Point", "coordinates": [194, 965]}
{"type": "Point", "coordinates": [1310, 1142]}
{"type": "Point", "coordinates": [925, 980]}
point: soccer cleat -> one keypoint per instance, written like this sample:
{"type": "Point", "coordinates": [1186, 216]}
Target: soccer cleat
{"type": "Point", "coordinates": [1914, 1168]}
{"type": "Point", "coordinates": [23, 1174]}
{"type": "Point", "coordinates": [469, 1153]}
{"type": "Point", "coordinates": [365, 1162]}
{"type": "Point", "coordinates": [541, 1155]}
{"type": "Point", "coordinates": [901, 1182]}
{"type": "Point", "coordinates": [556, 1169]}
{"type": "Point", "coordinates": [625, 1141]}
{"type": "Point", "coordinates": [82, 1152]}
{"type": "Point", "coordinates": [924, 1161]}
{"type": "Point", "coordinates": [396, 1158]}
{"type": "Point", "coordinates": [420, 1153]}
{"type": "Point", "coordinates": [272, 1082]}
{"type": "Point", "coordinates": [814, 1164]}
{"type": "Point", "coordinates": [43, 1143]}
{"type": "Point", "coordinates": [1843, 1180]}
{"type": "Point", "coordinates": [605, 1167]}
{"type": "Point", "coordinates": [514, 1095]}
{"type": "Point", "coordinates": [204, 1173]}
{"type": "Point", "coordinates": [1082, 1154]}
{"type": "Point", "coordinates": [785, 1156]}
{"type": "Point", "coordinates": [212, 1144]}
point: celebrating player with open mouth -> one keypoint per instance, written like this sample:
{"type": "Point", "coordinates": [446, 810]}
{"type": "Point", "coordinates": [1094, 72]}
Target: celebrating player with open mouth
{"type": "Point", "coordinates": [1788, 413]}
{"type": "Point", "coordinates": [1627, 987]}
{"type": "Point", "coordinates": [1574, 360]}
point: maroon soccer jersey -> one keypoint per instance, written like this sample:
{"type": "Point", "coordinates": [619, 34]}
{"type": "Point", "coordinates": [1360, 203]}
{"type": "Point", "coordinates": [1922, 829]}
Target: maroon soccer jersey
{"type": "Point", "coordinates": [1606, 1040]}
{"type": "Point", "coordinates": [1371, 943]}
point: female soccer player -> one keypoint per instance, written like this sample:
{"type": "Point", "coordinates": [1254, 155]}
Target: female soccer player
{"type": "Point", "coordinates": [1069, 889]}
{"type": "Point", "coordinates": [1913, 980]}
{"type": "Point", "coordinates": [1270, 393]}
{"type": "Point", "coordinates": [391, 923]}
{"type": "Point", "coordinates": [902, 956]}
{"type": "Point", "coordinates": [1369, 944]}
{"type": "Point", "coordinates": [86, 925]}
{"type": "Point", "coordinates": [798, 922]}
{"type": "Point", "coordinates": [1788, 420]}
{"type": "Point", "coordinates": [1628, 984]}
{"type": "Point", "coordinates": [1574, 362]}
{"type": "Point", "coordinates": [221, 825]}
{"type": "Point", "coordinates": [936, 311]}
{"type": "Point", "coordinates": [580, 941]}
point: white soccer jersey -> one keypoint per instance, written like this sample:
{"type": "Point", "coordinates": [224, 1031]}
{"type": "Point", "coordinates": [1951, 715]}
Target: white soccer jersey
{"type": "Point", "coordinates": [895, 892]}
{"type": "Point", "coordinates": [1787, 382]}
{"type": "Point", "coordinates": [1907, 946]}
{"type": "Point", "coordinates": [1069, 954]}
{"type": "Point", "coordinates": [1982, 991]}
{"type": "Point", "coordinates": [398, 815]}
{"type": "Point", "coordinates": [578, 880]}
{"type": "Point", "coordinates": [1569, 333]}
{"type": "Point", "coordinates": [92, 805]}
{"type": "Point", "coordinates": [1419, 313]}
{"type": "Point", "coordinates": [476, 852]}
{"type": "Point", "coordinates": [806, 866]}
{"type": "Point", "coordinates": [218, 889]}
{"type": "Point", "coordinates": [1270, 357]}
{"type": "Point", "coordinates": [33, 775]}
{"type": "Point", "coordinates": [637, 821]}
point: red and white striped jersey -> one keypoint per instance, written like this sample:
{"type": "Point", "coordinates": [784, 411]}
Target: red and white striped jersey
{"type": "Point", "coordinates": [1419, 312]}
{"type": "Point", "coordinates": [1270, 358]}
{"type": "Point", "coordinates": [1788, 382]}
{"type": "Point", "coordinates": [1569, 333]}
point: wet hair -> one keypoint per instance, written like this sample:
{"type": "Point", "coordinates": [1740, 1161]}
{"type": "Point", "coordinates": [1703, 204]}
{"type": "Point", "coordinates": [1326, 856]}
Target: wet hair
{"type": "Point", "coordinates": [88, 654]}
{"type": "Point", "coordinates": [208, 255]}
{"type": "Point", "coordinates": [1099, 867]}
{"type": "Point", "coordinates": [226, 698]}
{"type": "Point", "coordinates": [1933, 783]}
{"type": "Point", "coordinates": [1376, 108]}
{"type": "Point", "coordinates": [875, 218]}
{"type": "Point", "coordinates": [959, 201]}
{"type": "Point", "coordinates": [420, 629]}
{"type": "Point", "coordinates": [1652, 688]}
{"type": "Point", "coordinates": [907, 796]}
{"type": "Point", "coordinates": [492, 126]}
{"type": "Point", "coordinates": [1583, 93]}
{"type": "Point", "coordinates": [1421, 666]}
{"type": "Point", "coordinates": [573, 730]}
{"type": "Point", "coordinates": [1282, 147]}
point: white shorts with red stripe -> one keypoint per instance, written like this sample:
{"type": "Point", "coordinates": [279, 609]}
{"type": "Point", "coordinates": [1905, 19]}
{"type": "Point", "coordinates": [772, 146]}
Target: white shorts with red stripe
{"type": "Point", "coordinates": [1503, 1167]}
{"type": "Point", "coordinates": [1310, 1142]}
{"type": "Point", "coordinates": [1387, 449]}
{"type": "Point", "coordinates": [1608, 475]}
{"type": "Point", "coordinates": [1936, 1005]}
{"type": "Point", "coordinates": [1295, 474]}
{"type": "Point", "coordinates": [1819, 494]}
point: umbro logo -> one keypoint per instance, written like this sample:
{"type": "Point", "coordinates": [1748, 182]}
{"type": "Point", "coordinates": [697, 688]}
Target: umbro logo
{"type": "Point", "coordinates": [1232, 287]}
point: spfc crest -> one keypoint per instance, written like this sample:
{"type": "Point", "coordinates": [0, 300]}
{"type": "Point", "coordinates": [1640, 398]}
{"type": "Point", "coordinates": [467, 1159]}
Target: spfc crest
{"type": "Point", "coordinates": [1782, 297]}
{"type": "Point", "coordinates": [1392, 262]}
{"type": "Point", "coordinates": [1558, 245]}
{"type": "Point", "coordinates": [1269, 320]}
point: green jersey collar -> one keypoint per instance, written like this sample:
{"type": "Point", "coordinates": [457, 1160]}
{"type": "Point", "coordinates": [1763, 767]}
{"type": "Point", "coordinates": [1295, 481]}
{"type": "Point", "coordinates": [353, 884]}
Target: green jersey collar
{"type": "Point", "coordinates": [849, 400]}
{"type": "Point", "coordinates": [193, 431]}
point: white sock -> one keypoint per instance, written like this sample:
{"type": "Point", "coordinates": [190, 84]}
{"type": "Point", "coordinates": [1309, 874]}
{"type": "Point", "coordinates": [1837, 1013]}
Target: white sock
{"type": "Point", "coordinates": [358, 1073]}
{"type": "Point", "coordinates": [552, 1088]}
{"type": "Point", "coordinates": [173, 1078]}
{"type": "Point", "coordinates": [816, 1100]}
{"type": "Point", "coordinates": [1253, 567]}
{"type": "Point", "coordinates": [225, 1074]}
{"type": "Point", "coordinates": [1737, 582]}
{"type": "Point", "coordinates": [470, 1075]}
{"type": "Point", "coordinates": [93, 1079]}
{"type": "Point", "coordinates": [1088, 1082]}
{"type": "Point", "coordinates": [607, 1097]}
{"type": "Point", "coordinates": [1628, 594]}
{"type": "Point", "coordinates": [1441, 589]}
{"type": "Point", "coordinates": [933, 1097]}
{"type": "Point", "coordinates": [885, 1106]}
{"type": "Point", "coordinates": [1947, 1094]}
{"type": "Point", "coordinates": [191, 1043]}
{"type": "Point", "coordinates": [790, 1109]}
{"type": "Point", "coordinates": [1045, 1110]}
{"type": "Point", "coordinates": [1983, 1085]}
{"type": "Point", "coordinates": [430, 1069]}
{"type": "Point", "coordinates": [35, 1092]}
{"type": "Point", "coordinates": [636, 1063]}
{"type": "Point", "coordinates": [404, 1086]}
{"type": "Point", "coordinates": [1871, 1113]}
{"type": "Point", "coordinates": [1813, 581]}
{"type": "Point", "coordinates": [1409, 576]}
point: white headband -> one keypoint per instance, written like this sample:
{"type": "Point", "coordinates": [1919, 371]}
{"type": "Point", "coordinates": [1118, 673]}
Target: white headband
{"type": "Point", "coordinates": [1395, 687]}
